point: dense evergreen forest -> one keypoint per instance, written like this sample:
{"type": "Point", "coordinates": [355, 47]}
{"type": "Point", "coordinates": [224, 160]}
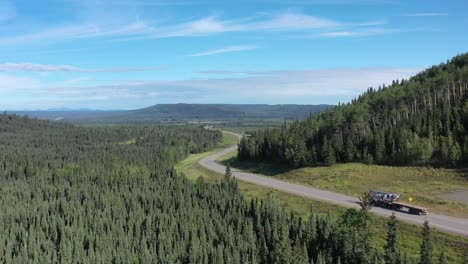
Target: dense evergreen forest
{"type": "Point", "coordinates": [110, 195]}
{"type": "Point", "coordinates": [423, 120]}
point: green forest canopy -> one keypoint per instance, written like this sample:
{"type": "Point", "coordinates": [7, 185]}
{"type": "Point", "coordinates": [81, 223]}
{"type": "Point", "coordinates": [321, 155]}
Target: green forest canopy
{"type": "Point", "coordinates": [74, 194]}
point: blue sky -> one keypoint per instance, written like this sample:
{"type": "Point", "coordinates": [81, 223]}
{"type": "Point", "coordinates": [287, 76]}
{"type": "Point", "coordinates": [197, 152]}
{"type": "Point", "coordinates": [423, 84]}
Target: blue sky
{"type": "Point", "coordinates": [125, 54]}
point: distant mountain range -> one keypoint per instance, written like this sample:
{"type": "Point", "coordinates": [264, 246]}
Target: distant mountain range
{"type": "Point", "coordinates": [66, 109]}
{"type": "Point", "coordinates": [223, 111]}
{"type": "Point", "coordinates": [180, 112]}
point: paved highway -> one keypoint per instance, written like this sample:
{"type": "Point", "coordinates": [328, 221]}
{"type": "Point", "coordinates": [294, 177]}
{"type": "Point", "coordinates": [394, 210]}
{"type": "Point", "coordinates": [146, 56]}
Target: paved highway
{"type": "Point", "coordinates": [442, 222]}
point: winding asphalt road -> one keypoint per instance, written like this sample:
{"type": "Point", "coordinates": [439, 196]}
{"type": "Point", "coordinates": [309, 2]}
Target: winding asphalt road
{"type": "Point", "coordinates": [442, 222]}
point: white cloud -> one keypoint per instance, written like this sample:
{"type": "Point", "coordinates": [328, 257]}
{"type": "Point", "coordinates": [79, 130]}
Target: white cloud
{"type": "Point", "coordinates": [223, 50]}
{"type": "Point", "coordinates": [339, 34]}
{"type": "Point", "coordinates": [279, 84]}
{"type": "Point", "coordinates": [210, 25]}
{"type": "Point", "coordinates": [372, 23]}
{"type": "Point", "coordinates": [8, 82]}
{"type": "Point", "coordinates": [292, 21]}
{"type": "Point", "coordinates": [204, 25]}
{"type": "Point", "coordinates": [33, 67]}
{"type": "Point", "coordinates": [54, 33]}
{"type": "Point", "coordinates": [125, 30]}
{"type": "Point", "coordinates": [222, 72]}
{"type": "Point", "coordinates": [77, 31]}
{"type": "Point", "coordinates": [427, 14]}
{"type": "Point", "coordinates": [292, 86]}
{"type": "Point", "coordinates": [269, 84]}
{"type": "Point", "coordinates": [154, 94]}
{"type": "Point", "coordinates": [358, 33]}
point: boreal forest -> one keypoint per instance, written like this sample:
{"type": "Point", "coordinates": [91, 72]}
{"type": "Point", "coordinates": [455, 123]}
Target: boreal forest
{"type": "Point", "coordinates": [109, 194]}
{"type": "Point", "coordinates": [420, 121]}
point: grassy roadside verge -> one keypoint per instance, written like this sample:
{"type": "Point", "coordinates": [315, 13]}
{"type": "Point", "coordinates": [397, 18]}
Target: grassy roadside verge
{"type": "Point", "coordinates": [426, 185]}
{"type": "Point", "coordinates": [410, 239]}
{"type": "Point", "coordinates": [190, 167]}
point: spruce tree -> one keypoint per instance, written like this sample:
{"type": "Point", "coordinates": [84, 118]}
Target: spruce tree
{"type": "Point", "coordinates": [442, 258]}
{"type": "Point", "coordinates": [299, 255]}
{"type": "Point", "coordinates": [320, 258]}
{"type": "Point", "coordinates": [426, 246]}
{"type": "Point", "coordinates": [228, 173]}
{"type": "Point", "coordinates": [376, 259]}
{"type": "Point", "coordinates": [328, 154]}
{"type": "Point", "coordinates": [366, 201]}
{"type": "Point", "coordinates": [392, 248]}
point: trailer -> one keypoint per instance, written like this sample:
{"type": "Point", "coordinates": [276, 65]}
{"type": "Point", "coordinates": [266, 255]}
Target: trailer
{"type": "Point", "coordinates": [409, 208]}
{"type": "Point", "coordinates": [390, 201]}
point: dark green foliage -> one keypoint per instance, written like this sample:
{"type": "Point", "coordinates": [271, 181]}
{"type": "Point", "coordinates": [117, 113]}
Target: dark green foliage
{"type": "Point", "coordinates": [366, 201]}
{"type": "Point", "coordinates": [423, 120]}
{"type": "Point", "coordinates": [392, 248]}
{"type": "Point", "coordinates": [228, 173]}
{"type": "Point", "coordinates": [110, 195]}
{"type": "Point", "coordinates": [442, 258]}
{"type": "Point", "coordinates": [355, 237]}
{"type": "Point", "coordinates": [427, 253]}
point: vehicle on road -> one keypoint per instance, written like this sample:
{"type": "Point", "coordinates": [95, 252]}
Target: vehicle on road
{"type": "Point", "coordinates": [390, 201]}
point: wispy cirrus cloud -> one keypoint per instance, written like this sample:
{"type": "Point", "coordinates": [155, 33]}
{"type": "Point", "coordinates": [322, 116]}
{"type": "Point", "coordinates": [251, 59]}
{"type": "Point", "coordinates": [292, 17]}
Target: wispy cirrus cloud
{"type": "Point", "coordinates": [287, 21]}
{"type": "Point", "coordinates": [33, 67]}
{"type": "Point", "coordinates": [372, 23]}
{"type": "Point", "coordinates": [207, 25]}
{"type": "Point", "coordinates": [216, 72]}
{"type": "Point", "coordinates": [224, 50]}
{"type": "Point", "coordinates": [427, 14]}
{"type": "Point", "coordinates": [294, 21]}
{"type": "Point", "coordinates": [357, 33]}
{"type": "Point", "coordinates": [76, 31]}
{"type": "Point", "coordinates": [335, 2]}
{"type": "Point", "coordinates": [145, 29]}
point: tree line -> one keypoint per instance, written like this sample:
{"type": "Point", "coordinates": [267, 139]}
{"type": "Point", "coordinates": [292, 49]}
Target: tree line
{"type": "Point", "coordinates": [420, 121]}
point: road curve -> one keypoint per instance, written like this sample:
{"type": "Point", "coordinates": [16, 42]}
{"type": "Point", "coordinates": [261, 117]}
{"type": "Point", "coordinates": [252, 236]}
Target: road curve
{"type": "Point", "coordinates": [442, 222]}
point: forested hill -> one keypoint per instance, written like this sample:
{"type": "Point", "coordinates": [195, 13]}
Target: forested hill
{"type": "Point", "coordinates": [209, 112]}
{"type": "Point", "coordinates": [222, 111]}
{"type": "Point", "coordinates": [162, 113]}
{"type": "Point", "coordinates": [423, 120]}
